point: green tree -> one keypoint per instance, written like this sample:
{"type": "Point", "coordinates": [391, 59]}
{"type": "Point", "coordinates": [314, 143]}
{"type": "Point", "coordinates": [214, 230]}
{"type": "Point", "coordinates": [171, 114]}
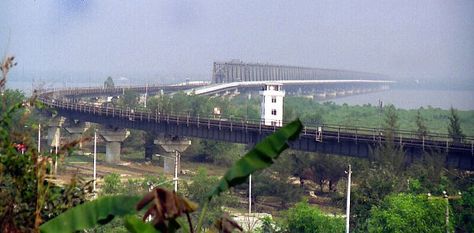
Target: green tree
{"type": "Point", "coordinates": [390, 122]}
{"type": "Point", "coordinates": [276, 182]}
{"type": "Point", "coordinates": [129, 99]}
{"type": "Point", "coordinates": [220, 153]}
{"type": "Point", "coordinates": [109, 83]}
{"type": "Point", "coordinates": [198, 190]}
{"type": "Point", "coordinates": [454, 128]}
{"type": "Point", "coordinates": [464, 211]}
{"type": "Point", "coordinates": [308, 219]}
{"type": "Point", "coordinates": [409, 213]}
{"type": "Point", "coordinates": [10, 98]}
{"type": "Point", "coordinates": [421, 129]}
{"type": "Point", "coordinates": [373, 185]}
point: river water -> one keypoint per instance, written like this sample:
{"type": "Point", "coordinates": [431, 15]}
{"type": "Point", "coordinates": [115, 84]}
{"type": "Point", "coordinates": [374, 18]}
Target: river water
{"type": "Point", "coordinates": [401, 98]}
{"type": "Point", "coordinates": [413, 99]}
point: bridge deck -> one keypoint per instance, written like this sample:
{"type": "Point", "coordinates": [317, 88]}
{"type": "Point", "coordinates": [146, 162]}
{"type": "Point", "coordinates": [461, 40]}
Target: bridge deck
{"type": "Point", "coordinates": [204, 90]}
{"type": "Point", "coordinates": [349, 141]}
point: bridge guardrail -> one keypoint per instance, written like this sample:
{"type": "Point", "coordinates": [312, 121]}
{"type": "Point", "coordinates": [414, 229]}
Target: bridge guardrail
{"type": "Point", "coordinates": [400, 137]}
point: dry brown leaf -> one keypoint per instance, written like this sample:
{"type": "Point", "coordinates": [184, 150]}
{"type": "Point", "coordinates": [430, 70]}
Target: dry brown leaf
{"type": "Point", "coordinates": [166, 205]}
{"type": "Point", "coordinates": [226, 224]}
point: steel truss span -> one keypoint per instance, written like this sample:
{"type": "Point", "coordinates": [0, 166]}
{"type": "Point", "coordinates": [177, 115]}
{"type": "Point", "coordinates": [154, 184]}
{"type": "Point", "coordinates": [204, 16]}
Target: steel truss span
{"type": "Point", "coordinates": [238, 71]}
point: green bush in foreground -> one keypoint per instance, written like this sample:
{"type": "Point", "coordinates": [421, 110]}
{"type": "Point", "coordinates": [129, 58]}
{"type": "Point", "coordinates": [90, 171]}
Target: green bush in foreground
{"type": "Point", "coordinates": [409, 213]}
{"type": "Point", "coordinates": [308, 219]}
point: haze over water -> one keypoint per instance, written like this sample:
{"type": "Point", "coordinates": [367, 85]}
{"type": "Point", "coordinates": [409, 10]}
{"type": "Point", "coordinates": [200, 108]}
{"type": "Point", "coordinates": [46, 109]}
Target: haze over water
{"type": "Point", "coordinates": [414, 99]}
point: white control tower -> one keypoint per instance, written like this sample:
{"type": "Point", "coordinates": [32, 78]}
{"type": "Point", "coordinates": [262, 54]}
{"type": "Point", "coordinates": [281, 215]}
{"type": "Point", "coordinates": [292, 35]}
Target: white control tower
{"type": "Point", "coordinates": [272, 104]}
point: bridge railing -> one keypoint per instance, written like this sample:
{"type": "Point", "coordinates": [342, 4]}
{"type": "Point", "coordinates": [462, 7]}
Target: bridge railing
{"type": "Point", "coordinates": [318, 132]}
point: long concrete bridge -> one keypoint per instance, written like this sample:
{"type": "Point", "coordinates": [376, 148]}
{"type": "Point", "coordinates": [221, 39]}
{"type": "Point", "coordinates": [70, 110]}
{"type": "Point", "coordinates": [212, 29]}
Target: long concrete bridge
{"type": "Point", "coordinates": [330, 139]}
{"type": "Point", "coordinates": [237, 76]}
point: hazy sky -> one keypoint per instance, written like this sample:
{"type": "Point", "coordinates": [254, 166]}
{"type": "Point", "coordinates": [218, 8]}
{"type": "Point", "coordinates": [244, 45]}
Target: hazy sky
{"type": "Point", "coordinates": [403, 39]}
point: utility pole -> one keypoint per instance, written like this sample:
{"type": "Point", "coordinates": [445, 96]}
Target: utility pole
{"type": "Point", "coordinates": [250, 194]}
{"type": "Point", "coordinates": [39, 138]}
{"type": "Point", "coordinates": [146, 94]}
{"type": "Point", "coordinates": [95, 162]}
{"type": "Point", "coordinates": [348, 204]}
{"type": "Point", "coordinates": [250, 202]}
{"type": "Point", "coordinates": [445, 195]}
{"type": "Point", "coordinates": [56, 146]}
{"type": "Point", "coordinates": [176, 171]}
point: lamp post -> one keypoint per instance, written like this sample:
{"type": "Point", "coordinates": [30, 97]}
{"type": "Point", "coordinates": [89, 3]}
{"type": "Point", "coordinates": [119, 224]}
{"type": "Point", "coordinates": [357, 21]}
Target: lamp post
{"type": "Point", "coordinates": [445, 196]}
{"type": "Point", "coordinates": [348, 203]}
{"type": "Point", "coordinates": [146, 95]}
{"type": "Point", "coordinates": [95, 162]}
{"type": "Point", "coordinates": [176, 162]}
{"type": "Point", "coordinates": [39, 138]}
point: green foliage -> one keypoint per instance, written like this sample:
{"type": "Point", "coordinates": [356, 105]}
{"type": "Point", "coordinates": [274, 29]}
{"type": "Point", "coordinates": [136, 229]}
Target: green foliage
{"type": "Point", "coordinates": [436, 119]}
{"type": "Point", "coordinates": [320, 168]}
{"type": "Point", "coordinates": [268, 226]}
{"type": "Point", "coordinates": [129, 99]}
{"type": "Point", "coordinates": [197, 190]}
{"type": "Point", "coordinates": [373, 186]}
{"type": "Point", "coordinates": [308, 219]}
{"type": "Point", "coordinates": [134, 142]}
{"type": "Point", "coordinates": [464, 211]}
{"type": "Point", "coordinates": [11, 98]}
{"type": "Point", "coordinates": [220, 153]}
{"type": "Point", "coordinates": [136, 225]}
{"type": "Point", "coordinates": [409, 213]}
{"type": "Point", "coordinates": [428, 175]}
{"type": "Point", "coordinates": [88, 215]}
{"type": "Point", "coordinates": [421, 129]}
{"type": "Point", "coordinates": [183, 104]}
{"type": "Point", "coordinates": [454, 129]}
{"type": "Point", "coordinates": [268, 183]}
{"type": "Point", "coordinates": [112, 184]}
{"type": "Point", "coordinates": [390, 123]}
{"type": "Point", "coordinates": [275, 182]}
{"type": "Point", "coordinates": [26, 198]}
{"type": "Point", "coordinates": [260, 157]}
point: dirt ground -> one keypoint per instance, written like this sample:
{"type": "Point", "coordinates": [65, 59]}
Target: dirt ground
{"type": "Point", "coordinates": [131, 168]}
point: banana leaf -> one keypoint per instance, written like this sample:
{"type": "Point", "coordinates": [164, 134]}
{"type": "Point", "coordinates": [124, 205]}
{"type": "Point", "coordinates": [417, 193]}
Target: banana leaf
{"type": "Point", "coordinates": [136, 225]}
{"type": "Point", "coordinates": [260, 157]}
{"type": "Point", "coordinates": [90, 214]}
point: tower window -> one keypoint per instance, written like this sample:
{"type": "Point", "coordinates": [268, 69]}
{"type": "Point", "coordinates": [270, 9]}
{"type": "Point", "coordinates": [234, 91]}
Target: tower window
{"type": "Point", "coordinates": [274, 112]}
{"type": "Point", "coordinates": [274, 99]}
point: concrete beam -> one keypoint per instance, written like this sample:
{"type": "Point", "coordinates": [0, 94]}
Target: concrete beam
{"type": "Point", "coordinates": [76, 129]}
{"type": "Point", "coordinates": [113, 142]}
{"type": "Point", "coordinates": [173, 144]}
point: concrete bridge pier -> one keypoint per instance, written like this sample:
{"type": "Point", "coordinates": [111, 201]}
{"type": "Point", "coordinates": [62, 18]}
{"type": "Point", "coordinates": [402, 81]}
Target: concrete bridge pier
{"type": "Point", "coordinates": [54, 132]}
{"type": "Point", "coordinates": [173, 146]}
{"type": "Point", "coordinates": [76, 129]}
{"type": "Point", "coordinates": [113, 143]}
{"type": "Point", "coordinates": [149, 146]}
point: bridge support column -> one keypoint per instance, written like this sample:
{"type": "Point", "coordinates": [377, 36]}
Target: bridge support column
{"type": "Point", "coordinates": [76, 129]}
{"type": "Point", "coordinates": [173, 146]}
{"type": "Point", "coordinates": [54, 131]}
{"type": "Point", "coordinates": [113, 139]}
{"type": "Point", "coordinates": [149, 146]}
